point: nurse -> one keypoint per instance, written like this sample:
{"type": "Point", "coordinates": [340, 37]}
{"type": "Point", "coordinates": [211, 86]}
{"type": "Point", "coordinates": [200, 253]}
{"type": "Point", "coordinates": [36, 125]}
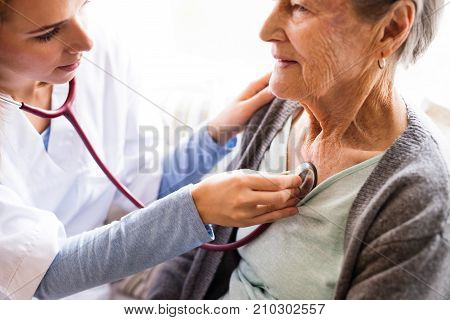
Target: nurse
{"type": "Point", "coordinates": [54, 199]}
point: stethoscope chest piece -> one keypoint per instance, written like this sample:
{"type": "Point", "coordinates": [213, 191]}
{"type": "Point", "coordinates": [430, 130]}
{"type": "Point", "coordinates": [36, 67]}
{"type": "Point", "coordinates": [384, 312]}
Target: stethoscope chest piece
{"type": "Point", "coordinates": [308, 172]}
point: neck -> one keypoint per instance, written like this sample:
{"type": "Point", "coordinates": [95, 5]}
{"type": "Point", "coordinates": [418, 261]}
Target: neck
{"type": "Point", "coordinates": [368, 117]}
{"type": "Point", "coordinates": [30, 92]}
{"type": "Point", "coordinates": [33, 93]}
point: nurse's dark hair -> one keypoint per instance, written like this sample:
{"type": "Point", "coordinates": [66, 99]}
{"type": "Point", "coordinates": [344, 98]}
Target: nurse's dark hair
{"type": "Point", "coordinates": [422, 32]}
{"type": "Point", "coordinates": [3, 10]}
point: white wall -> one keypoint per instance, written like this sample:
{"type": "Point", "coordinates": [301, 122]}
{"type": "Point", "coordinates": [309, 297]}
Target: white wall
{"type": "Point", "coordinates": [430, 77]}
{"type": "Point", "coordinates": [212, 46]}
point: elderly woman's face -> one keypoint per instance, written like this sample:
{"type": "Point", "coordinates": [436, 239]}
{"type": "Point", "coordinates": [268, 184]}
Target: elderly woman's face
{"type": "Point", "coordinates": [320, 47]}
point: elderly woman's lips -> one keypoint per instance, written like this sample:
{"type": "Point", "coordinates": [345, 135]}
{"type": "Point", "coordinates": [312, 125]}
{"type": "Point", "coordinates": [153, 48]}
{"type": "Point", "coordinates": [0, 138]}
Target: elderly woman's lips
{"type": "Point", "coordinates": [284, 63]}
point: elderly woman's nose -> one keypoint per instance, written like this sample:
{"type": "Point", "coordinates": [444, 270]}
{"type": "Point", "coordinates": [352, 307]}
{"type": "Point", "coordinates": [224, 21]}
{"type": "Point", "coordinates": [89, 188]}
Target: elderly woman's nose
{"type": "Point", "coordinates": [79, 40]}
{"type": "Point", "coordinates": [272, 29]}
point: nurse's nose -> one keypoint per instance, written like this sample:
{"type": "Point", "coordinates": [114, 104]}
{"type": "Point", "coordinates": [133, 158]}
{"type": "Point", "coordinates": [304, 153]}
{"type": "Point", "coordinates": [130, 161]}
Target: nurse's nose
{"type": "Point", "coordinates": [79, 38]}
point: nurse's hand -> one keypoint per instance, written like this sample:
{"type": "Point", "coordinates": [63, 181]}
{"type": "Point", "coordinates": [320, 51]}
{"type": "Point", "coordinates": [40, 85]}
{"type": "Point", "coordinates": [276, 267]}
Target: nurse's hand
{"type": "Point", "coordinates": [232, 120]}
{"type": "Point", "coordinates": [236, 199]}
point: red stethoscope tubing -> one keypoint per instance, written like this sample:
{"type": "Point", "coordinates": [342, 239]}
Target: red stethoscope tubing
{"type": "Point", "coordinates": [66, 110]}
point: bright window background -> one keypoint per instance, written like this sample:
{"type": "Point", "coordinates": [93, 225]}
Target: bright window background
{"type": "Point", "coordinates": [211, 47]}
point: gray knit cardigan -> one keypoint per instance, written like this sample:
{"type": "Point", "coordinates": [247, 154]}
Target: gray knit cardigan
{"type": "Point", "coordinates": [397, 235]}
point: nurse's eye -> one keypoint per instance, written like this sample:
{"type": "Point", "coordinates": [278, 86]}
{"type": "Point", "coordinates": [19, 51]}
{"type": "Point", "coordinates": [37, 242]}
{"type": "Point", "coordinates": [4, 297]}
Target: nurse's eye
{"type": "Point", "coordinates": [46, 37]}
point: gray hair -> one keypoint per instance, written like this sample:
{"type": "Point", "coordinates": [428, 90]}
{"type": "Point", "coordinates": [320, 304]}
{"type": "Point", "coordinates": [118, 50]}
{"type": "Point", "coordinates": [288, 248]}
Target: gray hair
{"type": "Point", "coordinates": [424, 28]}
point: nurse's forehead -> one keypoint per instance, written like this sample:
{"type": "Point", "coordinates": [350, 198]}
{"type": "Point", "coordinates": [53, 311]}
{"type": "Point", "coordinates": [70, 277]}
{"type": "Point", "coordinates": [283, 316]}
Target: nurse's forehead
{"type": "Point", "coordinates": [26, 15]}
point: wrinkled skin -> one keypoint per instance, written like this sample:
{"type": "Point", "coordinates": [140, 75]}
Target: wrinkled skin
{"type": "Point", "coordinates": [327, 59]}
{"type": "Point", "coordinates": [324, 45]}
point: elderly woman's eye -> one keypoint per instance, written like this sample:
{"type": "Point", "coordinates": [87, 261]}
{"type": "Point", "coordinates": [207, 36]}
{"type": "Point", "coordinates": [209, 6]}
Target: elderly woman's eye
{"type": "Point", "coordinates": [299, 8]}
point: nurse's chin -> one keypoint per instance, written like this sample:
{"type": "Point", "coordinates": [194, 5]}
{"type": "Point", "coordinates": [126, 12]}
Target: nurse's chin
{"type": "Point", "coordinates": [62, 77]}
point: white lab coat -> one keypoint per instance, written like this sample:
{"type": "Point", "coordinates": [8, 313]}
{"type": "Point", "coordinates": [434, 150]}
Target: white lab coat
{"type": "Point", "coordinates": [46, 195]}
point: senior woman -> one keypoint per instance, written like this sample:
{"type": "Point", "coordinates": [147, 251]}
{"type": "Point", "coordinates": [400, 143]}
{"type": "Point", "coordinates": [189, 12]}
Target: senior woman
{"type": "Point", "coordinates": [376, 226]}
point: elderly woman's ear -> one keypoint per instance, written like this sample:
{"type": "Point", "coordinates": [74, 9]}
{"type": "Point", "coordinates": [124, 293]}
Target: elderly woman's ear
{"type": "Point", "coordinates": [396, 27]}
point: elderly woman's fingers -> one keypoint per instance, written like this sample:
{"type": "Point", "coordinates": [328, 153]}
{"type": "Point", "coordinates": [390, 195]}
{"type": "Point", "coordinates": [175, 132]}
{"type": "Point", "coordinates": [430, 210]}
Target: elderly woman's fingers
{"type": "Point", "coordinates": [255, 87]}
{"type": "Point", "coordinates": [270, 182]}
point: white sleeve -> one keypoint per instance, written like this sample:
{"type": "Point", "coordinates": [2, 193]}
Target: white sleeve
{"type": "Point", "coordinates": [29, 241]}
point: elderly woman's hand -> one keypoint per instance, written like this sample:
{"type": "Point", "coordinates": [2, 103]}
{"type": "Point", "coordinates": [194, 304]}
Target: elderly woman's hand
{"type": "Point", "coordinates": [232, 120]}
{"type": "Point", "coordinates": [239, 199]}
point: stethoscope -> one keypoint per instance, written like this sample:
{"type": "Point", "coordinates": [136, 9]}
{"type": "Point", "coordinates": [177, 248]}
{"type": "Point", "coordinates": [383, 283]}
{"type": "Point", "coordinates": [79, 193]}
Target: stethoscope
{"type": "Point", "coordinates": [306, 171]}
